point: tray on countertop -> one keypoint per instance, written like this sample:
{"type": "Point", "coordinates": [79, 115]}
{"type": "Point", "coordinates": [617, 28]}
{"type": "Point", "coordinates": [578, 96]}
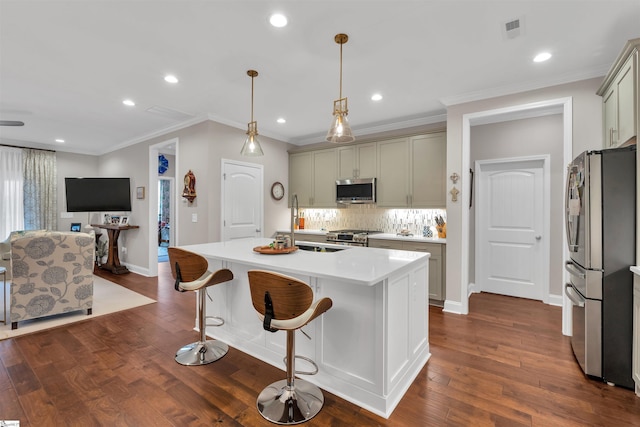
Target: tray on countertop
{"type": "Point", "coordinates": [268, 250]}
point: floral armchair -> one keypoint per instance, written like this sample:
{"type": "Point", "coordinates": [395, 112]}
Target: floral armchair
{"type": "Point", "coordinates": [52, 273]}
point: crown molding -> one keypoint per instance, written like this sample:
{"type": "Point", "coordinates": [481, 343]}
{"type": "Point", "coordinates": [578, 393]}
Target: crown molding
{"type": "Point", "coordinates": [374, 128]}
{"type": "Point", "coordinates": [522, 87]}
{"type": "Point", "coordinates": [155, 134]}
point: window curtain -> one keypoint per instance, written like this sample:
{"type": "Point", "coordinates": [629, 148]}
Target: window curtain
{"type": "Point", "coordinates": [11, 196]}
{"type": "Point", "coordinates": [40, 197]}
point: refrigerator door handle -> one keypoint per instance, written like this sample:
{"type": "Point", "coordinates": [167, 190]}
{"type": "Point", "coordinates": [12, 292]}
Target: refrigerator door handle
{"type": "Point", "coordinates": [570, 292]}
{"type": "Point", "coordinates": [576, 271]}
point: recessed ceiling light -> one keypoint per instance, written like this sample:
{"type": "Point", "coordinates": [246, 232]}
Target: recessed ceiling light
{"type": "Point", "coordinates": [170, 79]}
{"type": "Point", "coordinates": [541, 57]}
{"type": "Point", "coordinates": [376, 97]}
{"type": "Point", "coordinates": [60, 140]}
{"type": "Point", "coordinates": [278, 20]}
{"type": "Point", "coordinates": [281, 120]}
{"type": "Point", "coordinates": [128, 102]}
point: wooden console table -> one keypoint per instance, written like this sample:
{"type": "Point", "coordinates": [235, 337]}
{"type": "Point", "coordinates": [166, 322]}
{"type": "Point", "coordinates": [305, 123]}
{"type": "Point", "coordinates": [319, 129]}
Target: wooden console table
{"type": "Point", "coordinates": [113, 259]}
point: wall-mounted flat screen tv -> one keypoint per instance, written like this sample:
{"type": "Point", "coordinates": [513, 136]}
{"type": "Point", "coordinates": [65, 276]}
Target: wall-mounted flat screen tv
{"type": "Point", "coordinates": [98, 194]}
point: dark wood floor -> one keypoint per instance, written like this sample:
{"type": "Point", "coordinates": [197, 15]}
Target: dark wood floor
{"type": "Point", "coordinates": [505, 364]}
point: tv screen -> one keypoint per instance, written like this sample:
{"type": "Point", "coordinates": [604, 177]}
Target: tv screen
{"type": "Point", "coordinates": [98, 194]}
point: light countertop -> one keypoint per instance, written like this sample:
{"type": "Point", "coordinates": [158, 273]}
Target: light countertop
{"type": "Point", "coordinates": [304, 231]}
{"type": "Point", "coordinates": [635, 269]}
{"type": "Point", "coordinates": [414, 238]}
{"type": "Point", "coordinates": [380, 236]}
{"type": "Point", "coordinates": [362, 266]}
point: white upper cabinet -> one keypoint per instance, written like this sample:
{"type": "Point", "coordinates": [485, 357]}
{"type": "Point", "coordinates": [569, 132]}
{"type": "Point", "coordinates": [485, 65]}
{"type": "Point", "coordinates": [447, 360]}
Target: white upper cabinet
{"type": "Point", "coordinates": [619, 93]}
{"type": "Point", "coordinates": [324, 179]}
{"type": "Point", "coordinates": [357, 161]}
{"type": "Point", "coordinates": [300, 178]}
{"type": "Point", "coordinates": [393, 173]}
{"type": "Point", "coordinates": [410, 172]}
{"type": "Point", "coordinates": [428, 171]}
{"type": "Point", "coordinates": [312, 177]}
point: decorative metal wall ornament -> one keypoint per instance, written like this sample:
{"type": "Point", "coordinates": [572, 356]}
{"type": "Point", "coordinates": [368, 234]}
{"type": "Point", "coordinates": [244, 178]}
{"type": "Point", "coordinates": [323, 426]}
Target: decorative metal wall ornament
{"type": "Point", "coordinates": [189, 191]}
{"type": "Point", "coordinates": [454, 194]}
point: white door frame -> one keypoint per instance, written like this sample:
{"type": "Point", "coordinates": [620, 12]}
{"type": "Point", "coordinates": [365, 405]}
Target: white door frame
{"type": "Point", "coordinates": [223, 163]}
{"type": "Point", "coordinates": [563, 105]}
{"type": "Point", "coordinates": [546, 219]}
{"type": "Point", "coordinates": [172, 205]}
{"type": "Point", "coordinates": [152, 202]}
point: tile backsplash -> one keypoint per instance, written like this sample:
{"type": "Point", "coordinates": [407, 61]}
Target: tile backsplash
{"type": "Point", "coordinates": [370, 217]}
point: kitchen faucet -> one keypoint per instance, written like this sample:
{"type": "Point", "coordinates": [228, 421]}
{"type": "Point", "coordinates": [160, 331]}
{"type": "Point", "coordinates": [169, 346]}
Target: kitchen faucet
{"type": "Point", "coordinates": [294, 218]}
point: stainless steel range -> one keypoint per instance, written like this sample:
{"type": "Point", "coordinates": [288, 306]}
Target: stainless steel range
{"type": "Point", "coordinates": [350, 237]}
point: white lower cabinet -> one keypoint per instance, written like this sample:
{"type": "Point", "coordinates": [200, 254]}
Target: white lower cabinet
{"type": "Point", "coordinates": [636, 332]}
{"type": "Point", "coordinates": [437, 261]}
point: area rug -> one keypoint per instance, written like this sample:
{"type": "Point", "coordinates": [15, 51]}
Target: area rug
{"type": "Point", "coordinates": [107, 298]}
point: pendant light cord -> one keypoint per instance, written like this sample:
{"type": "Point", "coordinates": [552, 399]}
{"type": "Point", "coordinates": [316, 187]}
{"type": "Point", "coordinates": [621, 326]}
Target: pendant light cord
{"type": "Point", "coordinates": [252, 98]}
{"type": "Point", "coordinates": [341, 70]}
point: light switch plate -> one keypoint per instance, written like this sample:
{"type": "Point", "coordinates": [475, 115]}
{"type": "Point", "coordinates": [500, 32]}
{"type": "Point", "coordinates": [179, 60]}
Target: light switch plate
{"type": "Point", "coordinates": [194, 217]}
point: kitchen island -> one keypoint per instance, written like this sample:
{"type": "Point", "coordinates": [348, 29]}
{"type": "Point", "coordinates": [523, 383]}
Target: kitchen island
{"type": "Point", "coordinates": [369, 346]}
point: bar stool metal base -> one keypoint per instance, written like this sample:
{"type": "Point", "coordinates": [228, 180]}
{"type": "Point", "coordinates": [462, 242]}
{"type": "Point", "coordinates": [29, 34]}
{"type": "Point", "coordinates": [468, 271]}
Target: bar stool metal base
{"type": "Point", "coordinates": [285, 405]}
{"type": "Point", "coordinates": [201, 353]}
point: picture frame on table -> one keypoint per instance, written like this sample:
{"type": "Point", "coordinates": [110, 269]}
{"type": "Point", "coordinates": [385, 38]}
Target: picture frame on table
{"type": "Point", "coordinates": [115, 219]}
{"type": "Point", "coordinates": [124, 220]}
{"type": "Point", "coordinates": [140, 192]}
{"type": "Point", "coordinates": [106, 219]}
{"type": "Point", "coordinates": [75, 226]}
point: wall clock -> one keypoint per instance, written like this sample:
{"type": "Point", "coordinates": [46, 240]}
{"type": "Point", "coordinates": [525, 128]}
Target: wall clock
{"type": "Point", "coordinates": [163, 164]}
{"type": "Point", "coordinates": [277, 190]}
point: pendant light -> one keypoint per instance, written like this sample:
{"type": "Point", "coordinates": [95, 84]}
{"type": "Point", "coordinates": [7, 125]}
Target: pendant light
{"type": "Point", "coordinates": [340, 130]}
{"type": "Point", "coordinates": [251, 146]}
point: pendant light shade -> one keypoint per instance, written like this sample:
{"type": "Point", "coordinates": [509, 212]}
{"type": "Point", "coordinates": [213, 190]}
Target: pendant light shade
{"type": "Point", "coordinates": [251, 145]}
{"type": "Point", "coordinates": [340, 131]}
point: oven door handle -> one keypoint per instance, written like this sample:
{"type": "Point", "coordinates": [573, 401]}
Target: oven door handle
{"type": "Point", "coordinates": [576, 271]}
{"type": "Point", "coordinates": [570, 292]}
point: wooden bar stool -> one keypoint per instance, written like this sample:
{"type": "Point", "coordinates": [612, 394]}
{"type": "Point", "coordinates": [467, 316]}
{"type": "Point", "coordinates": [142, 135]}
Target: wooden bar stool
{"type": "Point", "coordinates": [190, 271]}
{"type": "Point", "coordinates": [286, 303]}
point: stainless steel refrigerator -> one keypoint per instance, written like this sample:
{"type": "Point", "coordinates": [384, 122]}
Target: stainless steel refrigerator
{"type": "Point", "coordinates": [600, 207]}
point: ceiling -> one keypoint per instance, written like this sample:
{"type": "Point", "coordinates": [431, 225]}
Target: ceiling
{"type": "Point", "coordinates": [66, 66]}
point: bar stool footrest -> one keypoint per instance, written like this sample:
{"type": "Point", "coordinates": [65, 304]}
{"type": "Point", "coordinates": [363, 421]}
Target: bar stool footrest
{"type": "Point", "coordinates": [219, 320]}
{"type": "Point", "coordinates": [306, 359]}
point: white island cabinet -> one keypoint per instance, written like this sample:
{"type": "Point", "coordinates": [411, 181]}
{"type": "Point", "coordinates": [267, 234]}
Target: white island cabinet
{"type": "Point", "coordinates": [636, 329]}
{"type": "Point", "coordinates": [369, 346]}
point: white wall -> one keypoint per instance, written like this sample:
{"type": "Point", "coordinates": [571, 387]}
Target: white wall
{"type": "Point", "coordinates": [526, 137]}
{"type": "Point", "coordinates": [73, 165]}
{"type": "Point", "coordinates": [587, 134]}
{"type": "Point", "coordinates": [200, 149]}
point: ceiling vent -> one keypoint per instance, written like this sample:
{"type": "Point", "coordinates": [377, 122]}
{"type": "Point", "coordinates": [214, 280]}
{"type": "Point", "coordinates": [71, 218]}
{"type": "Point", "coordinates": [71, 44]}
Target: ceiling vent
{"type": "Point", "coordinates": [169, 113]}
{"type": "Point", "coordinates": [513, 28]}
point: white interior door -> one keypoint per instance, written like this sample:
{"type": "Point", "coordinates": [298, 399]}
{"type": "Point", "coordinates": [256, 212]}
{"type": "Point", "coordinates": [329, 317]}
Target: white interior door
{"type": "Point", "coordinates": [512, 251]}
{"type": "Point", "coordinates": [242, 200]}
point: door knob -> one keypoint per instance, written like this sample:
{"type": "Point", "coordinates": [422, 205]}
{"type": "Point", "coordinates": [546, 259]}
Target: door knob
{"type": "Point", "coordinates": [258, 230]}
{"type": "Point", "coordinates": [538, 237]}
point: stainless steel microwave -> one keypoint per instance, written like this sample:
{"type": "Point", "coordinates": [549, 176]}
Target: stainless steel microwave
{"type": "Point", "coordinates": [356, 190]}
